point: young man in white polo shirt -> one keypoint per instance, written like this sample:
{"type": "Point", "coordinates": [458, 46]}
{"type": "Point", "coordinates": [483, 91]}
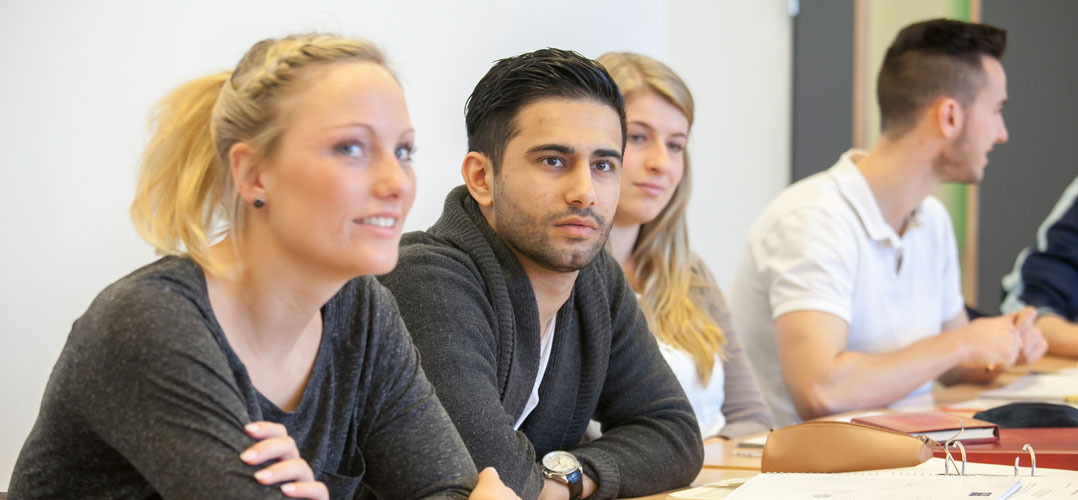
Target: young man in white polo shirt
{"type": "Point", "coordinates": [848, 292]}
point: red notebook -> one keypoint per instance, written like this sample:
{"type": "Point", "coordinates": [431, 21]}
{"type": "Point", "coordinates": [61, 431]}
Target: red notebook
{"type": "Point", "coordinates": [936, 425]}
{"type": "Point", "coordinates": [1055, 447]}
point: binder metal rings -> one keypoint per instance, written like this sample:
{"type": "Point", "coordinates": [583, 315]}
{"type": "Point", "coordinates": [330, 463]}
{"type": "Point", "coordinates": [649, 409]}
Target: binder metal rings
{"type": "Point", "coordinates": [1032, 460]}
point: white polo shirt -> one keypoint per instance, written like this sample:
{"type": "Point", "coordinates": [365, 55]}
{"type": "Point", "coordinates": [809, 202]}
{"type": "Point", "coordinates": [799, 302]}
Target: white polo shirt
{"type": "Point", "coordinates": [823, 245]}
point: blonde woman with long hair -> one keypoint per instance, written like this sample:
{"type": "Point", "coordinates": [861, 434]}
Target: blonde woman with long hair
{"type": "Point", "coordinates": [253, 363]}
{"type": "Point", "coordinates": [649, 238]}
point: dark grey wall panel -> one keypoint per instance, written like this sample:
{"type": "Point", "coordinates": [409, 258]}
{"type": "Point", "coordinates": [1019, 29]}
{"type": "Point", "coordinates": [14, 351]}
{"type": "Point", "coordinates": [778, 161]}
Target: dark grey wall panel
{"type": "Point", "coordinates": [823, 84]}
{"type": "Point", "coordinates": [1027, 175]}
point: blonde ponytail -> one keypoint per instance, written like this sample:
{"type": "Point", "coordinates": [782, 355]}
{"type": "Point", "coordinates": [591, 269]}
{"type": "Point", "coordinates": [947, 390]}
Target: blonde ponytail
{"type": "Point", "coordinates": [185, 190]}
{"type": "Point", "coordinates": [181, 182]}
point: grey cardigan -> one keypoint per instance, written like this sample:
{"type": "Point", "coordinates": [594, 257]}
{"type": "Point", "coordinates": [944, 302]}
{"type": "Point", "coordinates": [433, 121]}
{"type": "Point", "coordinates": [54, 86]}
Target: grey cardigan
{"type": "Point", "coordinates": [148, 400]}
{"type": "Point", "coordinates": [471, 311]}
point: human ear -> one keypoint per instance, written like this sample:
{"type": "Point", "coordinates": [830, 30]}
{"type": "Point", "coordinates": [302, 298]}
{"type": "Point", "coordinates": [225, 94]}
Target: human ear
{"type": "Point", "coordinates": [246, 172]}
{"type": "Point", "coordinates": [949, 117]}
{"type": "Point", "coordinates": [478, 172]}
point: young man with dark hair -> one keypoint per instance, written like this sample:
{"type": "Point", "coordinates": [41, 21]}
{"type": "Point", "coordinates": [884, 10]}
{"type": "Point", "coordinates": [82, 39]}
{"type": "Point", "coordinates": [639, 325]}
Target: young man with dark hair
{"type": "Point", "coordinates": [848, 292]}
{"type": "Point", "coordinates": [526, 327]}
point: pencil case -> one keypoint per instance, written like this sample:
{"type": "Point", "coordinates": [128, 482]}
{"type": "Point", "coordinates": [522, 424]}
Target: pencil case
{"type": "Point", "coordinates": [829, 446]}
{"type": "Point", "coordinates": [1031, 415]}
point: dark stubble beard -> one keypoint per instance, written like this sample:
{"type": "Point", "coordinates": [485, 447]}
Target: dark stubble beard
{"type": "Point", "coordinates": [529, 235]}
{"type": "Point", "coordinates": [954, 163]}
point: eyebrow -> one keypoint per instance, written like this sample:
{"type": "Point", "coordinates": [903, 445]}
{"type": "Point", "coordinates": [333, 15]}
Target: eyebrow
{"type": "Point", "coordinates": [649, 127]}
{"type": "Point", "coordinates": [557, 148]}
{"type": "Point", "coordinates": [365, 126]}
{"type": "Point", "coordinates": [608, 153]}
{"type": "Point", "coordinates": [568, 150]}
{"type": "Point", "coordinates": [337, 126]}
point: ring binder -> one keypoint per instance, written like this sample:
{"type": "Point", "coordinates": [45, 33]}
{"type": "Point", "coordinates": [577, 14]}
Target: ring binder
{"type": "Point", "coordinates": [875, 485]}
{"type": "Point", "coordinates": [950, 460]}
{"type": "Point", "coordinates": [1032, 460]}
{"type": "Point", "coordinates": [953, 442]}
{"type": "Point", "coordinates": [1055, 448]}
{"type": "Point", "coordinates": [961, 429]}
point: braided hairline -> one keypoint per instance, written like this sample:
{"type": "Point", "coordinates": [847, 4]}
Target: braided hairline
{"type": "Point", "coordinates": [280, 59]}
{"type": "Point", "coordinates": [247, 108]}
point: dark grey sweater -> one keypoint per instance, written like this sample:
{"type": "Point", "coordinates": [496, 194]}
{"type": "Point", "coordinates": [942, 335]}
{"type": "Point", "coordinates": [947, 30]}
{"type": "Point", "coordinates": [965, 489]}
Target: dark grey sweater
{"type": "Point", "coordinates": [148, 400]}
{"type": "Point", "coordinates": [471, 311]}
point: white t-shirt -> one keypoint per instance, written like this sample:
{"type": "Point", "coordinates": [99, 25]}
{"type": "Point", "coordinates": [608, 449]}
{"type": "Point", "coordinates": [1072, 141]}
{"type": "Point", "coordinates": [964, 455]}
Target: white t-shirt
{"type": "Point", "coordinates": [707, 399]}
{"type": "Point", "coordinates": [823, 245]}
{"type": "Point", "coordinates": [547, 340]}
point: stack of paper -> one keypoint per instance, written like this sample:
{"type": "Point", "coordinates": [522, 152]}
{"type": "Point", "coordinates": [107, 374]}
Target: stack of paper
{"type": "Point", "coordinates": [1049, 387]}
{"type": "Point", "coordinates": [875, 486]}
{"type": "Point", "coordinates": [923, 480]}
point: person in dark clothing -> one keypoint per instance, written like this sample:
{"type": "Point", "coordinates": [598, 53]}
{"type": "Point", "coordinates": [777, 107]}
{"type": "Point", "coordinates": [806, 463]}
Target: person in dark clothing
{"type": "Point", "coordinates": [527, 327]}
{"type": "Point", "coordinates": [1046, 276]}
{"type": "Point", "coordinates": [259, 366]}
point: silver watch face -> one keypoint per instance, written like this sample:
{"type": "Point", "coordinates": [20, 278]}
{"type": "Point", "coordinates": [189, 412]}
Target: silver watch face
{"type": "Point", "coordinates": [560, 462]}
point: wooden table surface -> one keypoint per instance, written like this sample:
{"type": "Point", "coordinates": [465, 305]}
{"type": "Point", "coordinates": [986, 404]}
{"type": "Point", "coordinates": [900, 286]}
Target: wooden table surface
{"type": "Point", "coordinates": [727, 454]}
{"type": "Point", "coordinates": [707, 475]}
{"type": "Point", "coordinates": [964, 392]}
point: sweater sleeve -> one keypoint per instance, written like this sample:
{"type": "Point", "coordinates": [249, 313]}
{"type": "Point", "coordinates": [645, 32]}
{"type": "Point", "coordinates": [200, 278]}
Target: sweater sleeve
{"type": "Point", "coordinates": [650, 439]}
{"type": "Point", "coordinates": [1046, 276]}
{"type": "Point", "coordinates": [146, 376]}
{"type": "Point", "coordinates": [743, 403]}
{"type": "Point", "coordinates": [443, 305]}
{"type": "Point", "coordinates": [413, 450]}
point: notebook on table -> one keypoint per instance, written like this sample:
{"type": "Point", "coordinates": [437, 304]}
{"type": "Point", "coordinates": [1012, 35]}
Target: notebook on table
{"type": "Point", "coordinates": [936, 425]}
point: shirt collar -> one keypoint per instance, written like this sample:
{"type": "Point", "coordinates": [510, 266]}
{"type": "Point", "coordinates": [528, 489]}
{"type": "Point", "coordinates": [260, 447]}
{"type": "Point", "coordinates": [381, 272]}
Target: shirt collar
{"type": "Point", "coordinates": [854, 189]}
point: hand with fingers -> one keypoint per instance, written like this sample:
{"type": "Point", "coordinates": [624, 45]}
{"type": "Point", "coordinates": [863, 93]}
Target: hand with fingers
{"type": "Point", "coordinates": [291, 471]}
{"type": "Point", "coordinates": [993, 342]}
{"type": "Point", "coordinates": [1034, 345]}
{"type": "Point", "coordinates": [489, 486]}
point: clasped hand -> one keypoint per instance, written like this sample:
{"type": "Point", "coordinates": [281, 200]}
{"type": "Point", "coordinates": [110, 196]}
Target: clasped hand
{"type": "Point", "coordinates": [1003, 341]}
{"type": "Point", "coordinates": [298, 478]}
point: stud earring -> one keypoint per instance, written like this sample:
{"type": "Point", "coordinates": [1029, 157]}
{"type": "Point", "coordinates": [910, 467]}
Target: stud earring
{"type": "Point", "coordinates": [258, 203]}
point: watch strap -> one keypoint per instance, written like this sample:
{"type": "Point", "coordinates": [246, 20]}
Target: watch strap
{"type": "Point", "coordinates": [575, 482]}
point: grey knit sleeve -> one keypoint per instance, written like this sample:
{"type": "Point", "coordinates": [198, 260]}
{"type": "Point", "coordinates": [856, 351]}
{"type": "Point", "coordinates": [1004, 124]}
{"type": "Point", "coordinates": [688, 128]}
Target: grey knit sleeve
{"type": "Point", "coordinates": [651, 441]}
{"type": "Point", "coordinates": [743, 403]}
{"type": "Point", "coordinates": [442, 304]}
{"type": "Point", "coordinates": [142, 376]}
{"type": "Point", "coordinates": [413, 450]}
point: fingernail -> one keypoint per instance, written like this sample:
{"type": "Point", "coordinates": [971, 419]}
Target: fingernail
{"type": "Point", "coordinates": [263, 474]}
{"type": "Point", "coordinates": [251, 427]}
{"type": "Point", "coordinates": [248, 455]}
{"type": "Point", "coordinates": [288, 488]}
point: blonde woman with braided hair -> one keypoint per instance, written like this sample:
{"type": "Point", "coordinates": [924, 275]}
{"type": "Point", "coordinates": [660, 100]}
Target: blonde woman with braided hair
{"type": "Point", "coordinates": [649, 238]}
{"type": "Point", "coordinates": [258, 359]}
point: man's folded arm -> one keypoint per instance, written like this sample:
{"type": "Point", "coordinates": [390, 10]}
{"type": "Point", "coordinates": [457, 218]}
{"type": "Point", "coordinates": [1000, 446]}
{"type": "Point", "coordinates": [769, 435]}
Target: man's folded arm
{"type": "Point", "coordinates": [446, 312]}
{"type": "Point", "coordinates": [651, 441]}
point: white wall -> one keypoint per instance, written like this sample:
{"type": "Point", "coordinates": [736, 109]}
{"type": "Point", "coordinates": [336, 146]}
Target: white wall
{"type": "Point", "coordinates": [736, 57]}
{"type": "Point", "coordinates": [79, 78]}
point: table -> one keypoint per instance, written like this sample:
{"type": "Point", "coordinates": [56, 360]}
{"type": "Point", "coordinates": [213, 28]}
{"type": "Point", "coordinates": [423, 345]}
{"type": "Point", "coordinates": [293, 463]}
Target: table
{"type": "Point", "coordinates": [724, 459]}
{"type": "Point", "coordinates": [707, 475]}
{"type": "Point", "coordinates": [964, 392]}
{"type": "Point", "coordinates": [726, 454]}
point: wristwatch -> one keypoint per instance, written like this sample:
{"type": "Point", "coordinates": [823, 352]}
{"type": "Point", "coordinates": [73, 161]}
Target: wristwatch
{"type": "Point", "coordinates": [563, 467]}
